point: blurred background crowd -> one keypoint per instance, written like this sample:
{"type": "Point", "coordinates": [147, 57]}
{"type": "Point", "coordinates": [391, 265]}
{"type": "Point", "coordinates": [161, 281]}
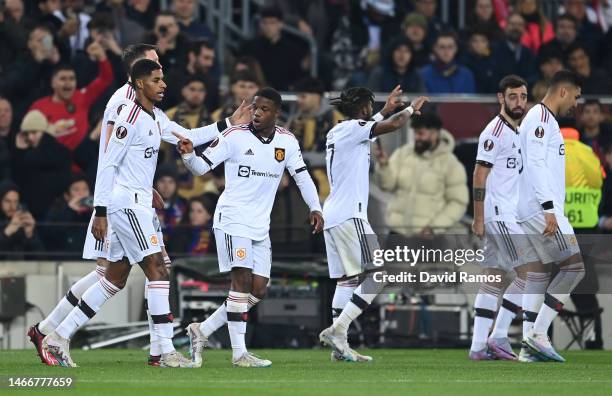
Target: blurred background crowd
{"type": "Point", "coordinates": [60, 61]}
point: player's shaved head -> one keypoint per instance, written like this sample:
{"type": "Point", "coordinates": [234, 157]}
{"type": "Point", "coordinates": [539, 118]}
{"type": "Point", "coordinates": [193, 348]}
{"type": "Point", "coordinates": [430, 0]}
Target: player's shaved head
{"type": "Point", "coordinates": [564, 78]}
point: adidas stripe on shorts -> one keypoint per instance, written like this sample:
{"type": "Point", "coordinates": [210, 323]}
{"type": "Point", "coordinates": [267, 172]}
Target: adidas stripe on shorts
{"type": "Point", "coordinates": [550, 249]}
{"type": "Point", "coordinates": [350, 246]}
{"type": "Point", "coordinates": [134, 234]}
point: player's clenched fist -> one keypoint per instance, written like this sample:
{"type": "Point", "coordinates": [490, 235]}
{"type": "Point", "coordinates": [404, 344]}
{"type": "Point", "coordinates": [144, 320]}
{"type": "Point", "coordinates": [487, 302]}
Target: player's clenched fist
{"type": "Point", "coordinates": [316, 221]}
{"type": "Point", "coordinates": [99, 227]}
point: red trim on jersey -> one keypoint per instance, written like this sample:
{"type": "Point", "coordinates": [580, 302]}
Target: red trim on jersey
{"type": "Point", "coordinates": [545, 115]}
{"type": "Point", "coordinates": [283, 131]}
{"type": "Point", "coordinates": [498, 128]}
{"type": "Point", "coordinates": [134, 115]}
{"type": "Point", "coordinates": [234, 128]}
{"type": "Point", "coordinates": [134, 107]}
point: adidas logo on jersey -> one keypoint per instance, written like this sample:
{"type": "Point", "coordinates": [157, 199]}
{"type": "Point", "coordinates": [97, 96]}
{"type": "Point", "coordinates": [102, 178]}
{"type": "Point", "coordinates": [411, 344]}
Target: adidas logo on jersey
{"type": "Point", "coordinates": [249, 152]}
{"type": "Point", "coordinates": [150, 133]}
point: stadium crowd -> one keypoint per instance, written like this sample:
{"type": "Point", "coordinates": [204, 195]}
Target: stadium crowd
{"type": "Point", "coordinates": [60, 60]}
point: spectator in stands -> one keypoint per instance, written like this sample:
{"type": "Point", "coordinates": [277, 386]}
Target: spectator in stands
{"type": "Point", "coordinates": [250, 64]}
{"type": "Point", "coordinates": [6, 138]}
{"type": "Point", "coordinates": [185, 11]}
{"type": "Point", "coordinates": [243, 86]}
{"type": "Point", "coordinates": [17, 225]}
{"type": "Point", "coordinates": [483, 19]}
{"type": "Point", "coordinates": [28, 78]}
{"type": "Point", "coordinates": [142, 11]}
{"type": "Point", "coordinates": [174, 206]}
{"type": "Point", "coordinates": [310, 17]}
{"type": "Point", "coordinates": [75, 207]}
{"type": "Point", "coordinates": [283, 60]}
{"type": "Point", "coordinates": [67, 109]}
{"type": "Point", "coordinates": [594, 81]}
{"type": "Point", "coordinates": [445, 74]}
{"type": "Point", "coordinates": [127, 31]}
{"type": "Point", "coordinates": [13, 33]}
{"type": "Point", "coordinates": [549, 63]}
{"type": "Point", "coordinates": [314, 117]}
{"type": "Point", "coordinates": [415, 29]}
{"type": "Point", "coordinates": [41, 164]}
{"type": "Point", "coordinates": [606, 51]}
{"type": "Point", "coordinates": [172, 45]}
{"type": "Point", "coordinates": [200, 63]}
{"type": "Point", "coordinates": [479, 60]}
{"type": "Point", "coordinates": [75, 21]}
{"type": "Point", "coordinates": [565, 35]}
{"type": "Point", "coordinates": [426, 174]}
{"type": "Point", "coordinates": [396, 68]}
{"type": "Point", "coordinates": [605, 208]}
{"type": "Point", "coordinates": [514, 57]}
{"type": "Point", "coordinates": [381, 24]}
{"type": "Point", "coordinates": [193, 235]}
{"type": "Point", "coordinates": [588, 32]}
{"type": "Point", "coordinates": [435, 25]}
{"type": "Point", "coordinates": [594, 131]}
{"type": "Point", "coordinates": [538, 29]}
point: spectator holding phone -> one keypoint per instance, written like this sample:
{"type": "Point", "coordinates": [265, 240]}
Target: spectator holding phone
{"type": "Point", "coordinates": [17, 225]}
{"type": "Point", "coordinates": [74, 209]}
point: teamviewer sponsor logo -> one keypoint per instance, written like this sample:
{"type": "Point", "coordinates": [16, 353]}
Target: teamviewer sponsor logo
{"type": "Point", "coordinates": [244, 171]}
{"type": "Point", "coordinates": [150, 152]}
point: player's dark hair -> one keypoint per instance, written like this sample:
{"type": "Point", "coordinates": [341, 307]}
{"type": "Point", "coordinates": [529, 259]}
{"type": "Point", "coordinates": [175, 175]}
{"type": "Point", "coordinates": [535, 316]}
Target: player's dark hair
{"type": "Point", "coordinates": [353, 100]}
{"type": "Point", "coordinates": [62, 67]}
{"type": "Point", "coordinates": [565, 77]}
{"type": "Point", "coordinates": [427, 120]}
{"type": "Point", "coordinates": [143, 68]}
{"type": "Point", "coordinates": [511, 81]}
{"type": "Point", "coordinates": [272, 94]}
{"type": "Point", "coordinates": [134, 52]}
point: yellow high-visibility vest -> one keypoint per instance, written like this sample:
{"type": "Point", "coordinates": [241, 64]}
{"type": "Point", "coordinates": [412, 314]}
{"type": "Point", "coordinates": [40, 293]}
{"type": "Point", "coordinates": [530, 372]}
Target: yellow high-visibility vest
{"type": "Point", "coordinates": [583, 181]}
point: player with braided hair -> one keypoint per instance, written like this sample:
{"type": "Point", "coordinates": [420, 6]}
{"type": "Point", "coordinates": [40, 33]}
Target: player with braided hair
{"type": "Point", "coordinates": [349, 239]}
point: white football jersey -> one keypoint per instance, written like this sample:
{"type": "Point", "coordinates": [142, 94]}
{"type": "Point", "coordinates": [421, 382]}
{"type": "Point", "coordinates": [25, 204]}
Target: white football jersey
{"type": "Point", "coordinates": [499, 148]}
{"type": "Point", "coordinates": [253, 170]}
{"type": "Point", "coordinates": [542, 181]}
{"type": "Point", "coordinates": [348, 167]}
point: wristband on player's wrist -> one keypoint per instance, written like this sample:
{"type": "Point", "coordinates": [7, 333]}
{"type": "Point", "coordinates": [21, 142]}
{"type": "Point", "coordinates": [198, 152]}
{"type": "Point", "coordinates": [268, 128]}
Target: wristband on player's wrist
{"type": "Point", "coordinates": [378, 117]}
{"type": "Point", "coordinates": [100, 211]}
{"type": "Point", "coordinates": [548, 207]}
{"type": "Point", "coordinates": [409, 110]}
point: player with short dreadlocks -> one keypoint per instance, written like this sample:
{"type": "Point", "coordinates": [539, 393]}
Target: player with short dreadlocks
{"type": "Point", "coordinates": [349, 239]}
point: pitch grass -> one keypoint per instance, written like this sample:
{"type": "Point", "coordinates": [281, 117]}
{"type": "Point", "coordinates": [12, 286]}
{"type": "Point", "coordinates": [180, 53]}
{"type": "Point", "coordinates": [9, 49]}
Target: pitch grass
{"type": "Point", "coordinates": [121, 372]}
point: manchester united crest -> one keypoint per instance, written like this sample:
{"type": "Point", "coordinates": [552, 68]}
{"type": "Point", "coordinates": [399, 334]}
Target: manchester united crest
{"type": "Point", "coordinates": [279, 154]}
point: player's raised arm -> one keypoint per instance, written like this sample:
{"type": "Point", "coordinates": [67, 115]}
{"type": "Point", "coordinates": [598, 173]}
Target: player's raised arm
{"type": "Point", "coordinates": [218, 151]}
{"type": "Point", "coordinates": [122, 136]}
{"type": "Point", "coordinates": [205, 134]}
{"type": "Point", "coordinates": [298, 170]}
{"type": "Point", "coordinates": [398, 120]}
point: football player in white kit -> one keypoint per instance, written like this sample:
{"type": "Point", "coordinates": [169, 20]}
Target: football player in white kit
{"type": "Point", "coordinates": [349, 239]}
{"type": "Point", "coordinates": [124, 194]}
{"type": "Point", "coordinates": [255, 157]}
{"type": "Point", "coordinates": [541, 214]}
{"type": "Point", "coordinates": [496, 194]}
{"type": "Point", "coordinates": [97, 249]}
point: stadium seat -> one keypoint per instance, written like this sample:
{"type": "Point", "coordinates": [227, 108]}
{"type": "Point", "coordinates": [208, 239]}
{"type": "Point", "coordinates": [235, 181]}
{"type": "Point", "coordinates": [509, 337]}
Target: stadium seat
{"type": "Point", "coordinates": [578, 324]}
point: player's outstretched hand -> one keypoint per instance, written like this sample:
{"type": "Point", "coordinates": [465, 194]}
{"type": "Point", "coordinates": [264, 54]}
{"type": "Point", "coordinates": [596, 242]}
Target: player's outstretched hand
{"type": "Point", "coordinates": [394, 101]}
{"type": "Point", "coordinates": [316, 221]}
{"type": "Point", "coordinates": [184, 145]}
{"type": "Point", "coordinates": [551, 224]}
{"type": "Point", "coordinates": [99, 227]}
{"type": "Point", "coordinates": [243, 114]}
{"type": "Point", "coordinates": [418, 103]}
{"type": "Point", "coordinates": [158, 201]}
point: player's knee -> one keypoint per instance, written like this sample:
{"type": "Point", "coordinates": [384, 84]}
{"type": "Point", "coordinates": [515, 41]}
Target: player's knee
{"type": "Point", "coordinates": [242, 280]}
{"type": "Point", "coordinates": [155, 269]}
{"type": "Point", "coordinates": [259, 291]}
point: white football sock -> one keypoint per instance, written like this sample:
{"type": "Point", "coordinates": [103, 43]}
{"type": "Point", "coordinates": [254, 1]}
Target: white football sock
{"type": "Point", "coordinates": [219, 318]}
{"type": "Point", "coordinates": [237, 305]}
{"type": "Point", "coordinates": [358, 303]}
{"type": "Point", "coordinates": [154, 348]}
{"type": "Point", "coordinates": [159, 306]}
{"type": "Point", "coordinates": [485, 306]}
{"type": "Point", "coordinates": [68, 302]}
{"type": "Point", "coordinates": [535, 287]}
{"type": "Point", "coordinates": [342, 295]}
{"type": "Point", "coordinates": [557, 294]}
{"type": "Point", "coordinates": [511, 306]}
{"type": "Point", "coordinates": [91, 302]}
